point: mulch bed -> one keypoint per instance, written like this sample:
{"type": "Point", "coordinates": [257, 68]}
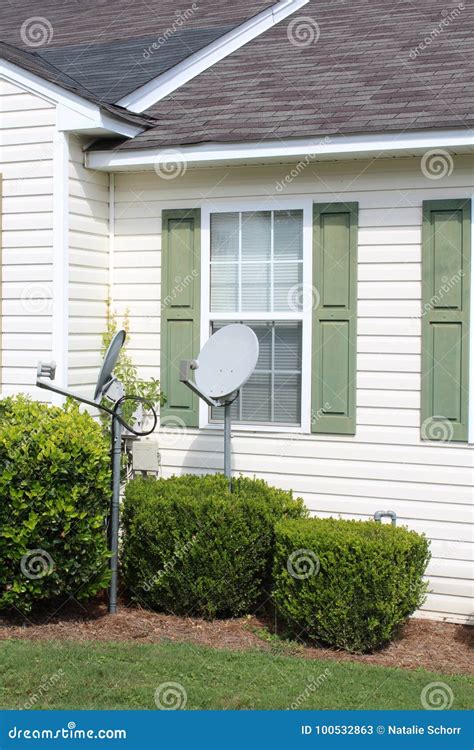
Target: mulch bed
{"type": "Point", "coordinates": [436, 646]}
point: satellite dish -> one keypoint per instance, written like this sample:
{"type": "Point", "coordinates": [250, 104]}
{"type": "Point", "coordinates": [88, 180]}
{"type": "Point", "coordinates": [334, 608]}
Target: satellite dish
{"type": "Point", "coordinates": [223, 366]}
{"type": "Point", "coordinates": [108, 365]}
{"type": "Point", "coordinates": [226, 361]}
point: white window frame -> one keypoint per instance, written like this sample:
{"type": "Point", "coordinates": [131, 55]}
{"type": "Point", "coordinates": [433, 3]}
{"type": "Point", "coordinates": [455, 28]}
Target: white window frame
{"type": "Point", "coordinates": [259, 204]}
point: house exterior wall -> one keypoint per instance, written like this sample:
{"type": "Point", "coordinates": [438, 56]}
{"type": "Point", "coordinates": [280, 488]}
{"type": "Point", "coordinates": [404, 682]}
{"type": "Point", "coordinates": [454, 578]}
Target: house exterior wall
{"type": "Point", "coordinates": [88, 267]}
{"type": "Point", "coordinates": [27, 133]}
{"type": "Point", "coordinates": [385, 465]}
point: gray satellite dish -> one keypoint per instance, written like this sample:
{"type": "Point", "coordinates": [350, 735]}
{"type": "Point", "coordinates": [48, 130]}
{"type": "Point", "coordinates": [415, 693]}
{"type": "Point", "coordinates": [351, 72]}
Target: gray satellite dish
{"type": "Point", "coordinates": [225, 363]}
{"type": "Point", "coordinates": [115, 394]}
{"type": "Point", "coordinates": [108, 365]}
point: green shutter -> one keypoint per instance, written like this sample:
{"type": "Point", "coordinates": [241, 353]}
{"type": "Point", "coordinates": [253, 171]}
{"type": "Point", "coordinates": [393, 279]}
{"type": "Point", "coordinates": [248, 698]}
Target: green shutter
{"type": "Point", "coordinates": [445, 319]}
{"type": "Point", "coordinates": [334, 318]}
{"type": "Point", "coordinates": [180, 304]}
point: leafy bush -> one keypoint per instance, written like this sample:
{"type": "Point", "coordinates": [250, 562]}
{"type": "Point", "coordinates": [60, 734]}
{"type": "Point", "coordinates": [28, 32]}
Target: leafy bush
{"type": "Point", "coordinates": [54, 490]}
{"type": "Point", "coordinates": [348, 583]}
{"type": "Point", "coordinates": [192, 547]}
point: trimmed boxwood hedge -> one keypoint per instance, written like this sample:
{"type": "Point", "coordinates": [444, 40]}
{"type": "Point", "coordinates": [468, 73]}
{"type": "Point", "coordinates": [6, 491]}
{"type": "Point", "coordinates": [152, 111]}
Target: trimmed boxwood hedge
{"type": "Point", "coordinates": [54, 497]}
{"type": "Point", "coordinates": [350, 584]}
{"type": "Point", "coordinates": [192, 547]}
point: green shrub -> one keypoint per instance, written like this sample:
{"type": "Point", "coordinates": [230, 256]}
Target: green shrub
{"type": "Point", "coordinates": [192, 547]}
{"type": "Point", "coordinates": [348, 583]}
{"type": "Point", "coordinates": [54, 490]}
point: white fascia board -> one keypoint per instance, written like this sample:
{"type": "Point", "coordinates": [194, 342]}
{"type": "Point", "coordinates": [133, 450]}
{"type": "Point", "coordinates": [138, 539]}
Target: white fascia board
{"type": "Point", "coordinates": [470, 438]}
{"type": "Point", "coordinates": [75, 114]}
{"type": "Point", "coordinates": [158, 88]}
{"type": "Point", "coordinates": [209, 154]}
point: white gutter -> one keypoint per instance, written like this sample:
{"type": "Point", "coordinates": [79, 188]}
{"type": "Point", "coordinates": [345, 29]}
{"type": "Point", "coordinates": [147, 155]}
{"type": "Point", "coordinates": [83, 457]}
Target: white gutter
{"type": "Point", "coordinates": [339, 146]}
{"type": "Point", "coordinates": [156, 89]}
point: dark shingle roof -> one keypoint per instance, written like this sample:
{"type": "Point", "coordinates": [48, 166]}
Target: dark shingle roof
{"type": "Point", "coordinates": [363, 71]}
{"type": "Point", "coordinates": [101, 45]}
{"type": "Point", "coordinates": [115, 69]}
{"type": "Point", "coordinates": [45, 70]}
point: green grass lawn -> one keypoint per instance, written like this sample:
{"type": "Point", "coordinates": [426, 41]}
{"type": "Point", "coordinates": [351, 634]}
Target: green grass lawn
{"type": "Point", "coordinates": [71, 675]}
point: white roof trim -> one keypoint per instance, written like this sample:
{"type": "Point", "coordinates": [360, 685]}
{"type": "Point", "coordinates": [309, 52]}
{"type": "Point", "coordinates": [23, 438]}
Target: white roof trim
{"type": "Point", "coordinates": [156, 89]}
{"type": "Point", "coordinates": [213, 154]}
{"type": "Point", "coordinates": [75, 114]}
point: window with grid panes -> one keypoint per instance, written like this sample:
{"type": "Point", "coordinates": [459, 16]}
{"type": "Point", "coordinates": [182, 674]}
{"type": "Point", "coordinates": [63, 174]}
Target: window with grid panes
{"type": "Point", "coordinates": [256, 277]}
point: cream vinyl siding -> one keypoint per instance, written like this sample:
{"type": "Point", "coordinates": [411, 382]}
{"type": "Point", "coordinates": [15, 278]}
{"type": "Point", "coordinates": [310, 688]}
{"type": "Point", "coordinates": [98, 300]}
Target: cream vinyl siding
{"type": "Point", "coordinates": [88, 267]}
{"type": "Point", "coordinates": [385, 465]}
{"type": "Point", "coordinates": [27, 131]}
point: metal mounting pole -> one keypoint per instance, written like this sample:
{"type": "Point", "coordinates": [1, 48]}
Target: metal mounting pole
{"type": "Point", "coordinates": [115, 508]}
{"type": "Point", "coordinates": [227, 446]}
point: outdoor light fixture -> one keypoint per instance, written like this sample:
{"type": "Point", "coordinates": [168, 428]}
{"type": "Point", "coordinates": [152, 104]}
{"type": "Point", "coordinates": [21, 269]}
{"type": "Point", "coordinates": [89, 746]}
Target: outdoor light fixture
{"type": "Point", "coordinates": [225, 363]}
{"type": "Point", "coordinates": [111, 388]}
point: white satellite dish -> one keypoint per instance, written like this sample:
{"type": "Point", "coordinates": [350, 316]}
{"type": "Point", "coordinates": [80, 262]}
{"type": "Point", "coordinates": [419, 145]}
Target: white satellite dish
{"type": "Point", "coordinates": [225, 363]}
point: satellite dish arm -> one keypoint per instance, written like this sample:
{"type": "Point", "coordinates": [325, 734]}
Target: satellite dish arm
{"type": "Point", "coordinates": [69, 394]}
{"type": "Point", "coordinates": [184, 372]}
{"type": "Point", "coordinates": [112, 412]}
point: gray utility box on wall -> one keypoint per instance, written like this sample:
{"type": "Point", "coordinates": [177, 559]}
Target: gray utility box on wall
{"type": "Point", "coordinates": [145, 457]}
